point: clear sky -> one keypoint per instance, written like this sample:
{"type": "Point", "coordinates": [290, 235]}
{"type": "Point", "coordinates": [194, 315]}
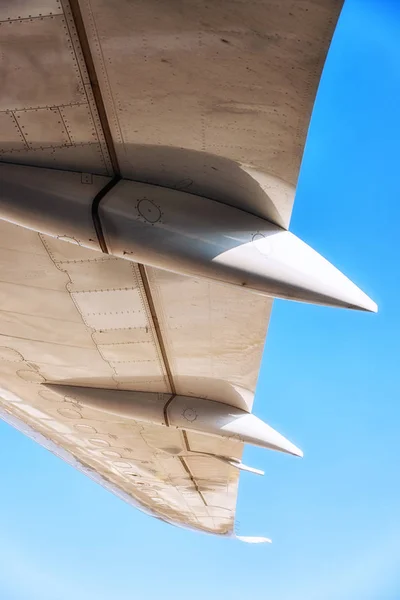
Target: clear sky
{"type": "Point", "coordinates": [329, 381]}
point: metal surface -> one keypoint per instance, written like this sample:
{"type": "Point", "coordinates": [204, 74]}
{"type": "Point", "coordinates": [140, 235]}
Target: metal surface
{"type": "Point", "coordinates": [185, 413]}
{"type": "Point", "coordinates": [210, 98]}
{"type": "Point", "coordinates": [48, 115]}
{"type": "Point", "coordinates": [175, 231]}
{"type": "Point", "coordinates": [82, 318]}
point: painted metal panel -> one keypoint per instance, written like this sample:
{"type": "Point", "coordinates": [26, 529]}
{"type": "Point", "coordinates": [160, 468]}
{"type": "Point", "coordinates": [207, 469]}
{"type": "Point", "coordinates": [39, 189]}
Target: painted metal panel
{"type": "Point", "coordinates": [47, 110]}
{"type": "Point", "coordinates": [11, 10]}
{"type": "Point", "coordinates": [41, 344]}
{"type": "Point", "coordinates": [212, 97]}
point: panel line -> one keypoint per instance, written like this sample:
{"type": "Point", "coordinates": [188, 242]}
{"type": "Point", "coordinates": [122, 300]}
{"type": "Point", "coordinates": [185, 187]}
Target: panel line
{"type": "Point", "coordinates": [94, 82]}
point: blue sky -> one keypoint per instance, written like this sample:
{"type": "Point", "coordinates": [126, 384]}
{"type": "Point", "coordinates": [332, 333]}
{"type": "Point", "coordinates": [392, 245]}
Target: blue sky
{"type": "Point", "coordinates": [329, 381]}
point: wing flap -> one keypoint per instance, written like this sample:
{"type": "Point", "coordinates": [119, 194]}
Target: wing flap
{"type": "Point", "coordinates": [69, 315]}
{"type": "Point", "coordinates": [125, 463]}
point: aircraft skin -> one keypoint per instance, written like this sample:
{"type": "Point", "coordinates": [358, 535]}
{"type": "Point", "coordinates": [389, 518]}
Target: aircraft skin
{"type": "Point", "coordinates": [149, 157]}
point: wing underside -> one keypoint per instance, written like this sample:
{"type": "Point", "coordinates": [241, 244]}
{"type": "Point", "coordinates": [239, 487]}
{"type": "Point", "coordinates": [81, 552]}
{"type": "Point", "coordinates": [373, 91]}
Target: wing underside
{"type": "Point", "coordinates": [71, 315]}
{"type": "Point", "coordinates": [213, 99]}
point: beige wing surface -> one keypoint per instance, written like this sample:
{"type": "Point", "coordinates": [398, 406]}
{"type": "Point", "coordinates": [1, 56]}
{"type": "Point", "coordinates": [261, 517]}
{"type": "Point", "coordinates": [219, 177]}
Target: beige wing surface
{"type": "Point", "coordinates": [213, 99]}
{"type": "Point", "coordinates": [71, 315]}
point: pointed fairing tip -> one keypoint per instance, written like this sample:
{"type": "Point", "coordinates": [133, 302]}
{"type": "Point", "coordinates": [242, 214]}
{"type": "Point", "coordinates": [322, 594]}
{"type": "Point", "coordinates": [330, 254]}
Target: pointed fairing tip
{"type": "Point", "coordinates": [356, 299]}
{"type": "Point", "coordinates": [253, 540]}
{"type": "Point", "coordinates": [252, 430]}
{"type": "Point", "coordinates": [325, 284]}
{"type": "Point", "coordinates": [295, 451]}
{"type": "Point", "coordinates": [367, 304]}
{"type": "Point", "coordinates": [300, 273]}
{"type": "Point", "coordinates": [280, 443]}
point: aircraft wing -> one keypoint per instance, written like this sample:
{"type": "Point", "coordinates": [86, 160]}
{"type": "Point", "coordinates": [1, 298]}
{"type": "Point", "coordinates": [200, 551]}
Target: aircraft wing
{"type": "Point", "coordinates": [212, 99]}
